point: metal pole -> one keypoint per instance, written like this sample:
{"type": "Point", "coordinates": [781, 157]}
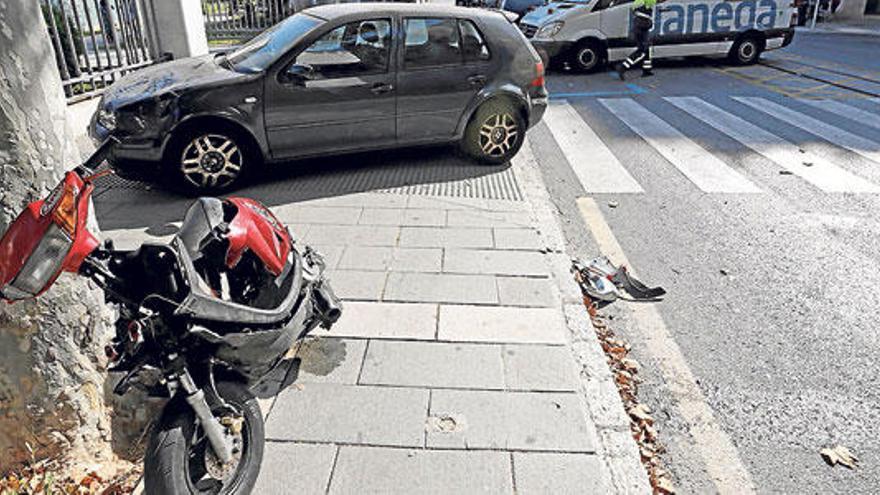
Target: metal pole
{"type": "Point", "coordinates": [815, 14]}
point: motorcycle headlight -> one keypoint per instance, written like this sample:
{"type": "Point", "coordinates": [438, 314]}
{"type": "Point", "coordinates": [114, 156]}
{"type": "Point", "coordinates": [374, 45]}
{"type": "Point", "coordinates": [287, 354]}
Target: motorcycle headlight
{"type": "Point", "coordinates": [550, 30]}
{"type": "Point", "coordinates": [107, 120]}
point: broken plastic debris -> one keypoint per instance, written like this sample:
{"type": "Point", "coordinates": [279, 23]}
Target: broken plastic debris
{"type": "Point", "coordinates": [602, 281]}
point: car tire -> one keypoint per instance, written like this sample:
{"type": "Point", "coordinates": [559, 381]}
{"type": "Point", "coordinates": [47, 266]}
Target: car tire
{"type": "Point", "coordinates": [586, 56]}
{"type": "Point", "coordinates": [747, 50]}
{"type": "Point", "coordinates": [209, 160]}
{"type": "Point", "coordinates": [495, 133]}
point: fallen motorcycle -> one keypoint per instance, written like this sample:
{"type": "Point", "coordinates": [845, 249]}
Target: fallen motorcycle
{"type": "Point", "coordinates": [201, 319]}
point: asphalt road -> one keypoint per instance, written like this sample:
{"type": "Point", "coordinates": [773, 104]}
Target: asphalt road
{"type": "Point", "coordinates": [772, 292]}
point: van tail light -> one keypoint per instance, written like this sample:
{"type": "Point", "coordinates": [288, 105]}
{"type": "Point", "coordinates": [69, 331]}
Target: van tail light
{"type": "Point", "coordinates": [538, 81]}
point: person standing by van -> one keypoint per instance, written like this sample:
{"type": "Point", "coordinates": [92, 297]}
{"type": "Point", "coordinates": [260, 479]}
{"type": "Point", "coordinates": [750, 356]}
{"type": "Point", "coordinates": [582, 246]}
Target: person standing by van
{"type": "Point", "coordinates": [642, 22]}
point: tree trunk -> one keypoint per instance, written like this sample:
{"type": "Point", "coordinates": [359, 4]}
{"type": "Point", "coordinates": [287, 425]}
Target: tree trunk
{"type": "Point", "coordinates": [51, 377]}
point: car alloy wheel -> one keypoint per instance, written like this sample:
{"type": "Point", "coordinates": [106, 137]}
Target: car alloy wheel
{"type": "Point", "coordinates": [498, 134]}
{"type": "Point", "coordinates": [211, 161]}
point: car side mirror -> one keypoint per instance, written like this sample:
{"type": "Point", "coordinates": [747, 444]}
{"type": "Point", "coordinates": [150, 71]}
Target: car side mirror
{"type": "Point", "coordinates": [299, 73]}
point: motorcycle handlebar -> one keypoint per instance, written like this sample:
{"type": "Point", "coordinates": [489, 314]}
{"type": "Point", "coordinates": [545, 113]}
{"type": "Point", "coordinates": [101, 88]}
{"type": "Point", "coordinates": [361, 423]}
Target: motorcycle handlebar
{"type": "Point", "coordinates": [89, 166]}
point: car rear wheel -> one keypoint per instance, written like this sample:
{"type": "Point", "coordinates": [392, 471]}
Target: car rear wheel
{"type": "Point", "coordinates": [746, 51]}
{"type": "Point", "coordinates": [495, 133]}
{"type": "Point", "coordinates": [209, 160]}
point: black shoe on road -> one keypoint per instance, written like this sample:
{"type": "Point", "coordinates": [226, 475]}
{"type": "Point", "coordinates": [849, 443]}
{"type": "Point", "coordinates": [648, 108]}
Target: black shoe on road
{"type": "Point", "coordinates": [621, 72]}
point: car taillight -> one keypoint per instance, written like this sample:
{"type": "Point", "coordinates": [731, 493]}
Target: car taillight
{"type": "Point", "coordinates": [539, 75]}
{"type": "Point", "coordinates": [42, 265]}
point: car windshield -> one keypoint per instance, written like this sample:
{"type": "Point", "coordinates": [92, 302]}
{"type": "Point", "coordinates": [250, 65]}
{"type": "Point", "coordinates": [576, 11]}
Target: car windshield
{"type": "Point", "coordinates": [260, 52]}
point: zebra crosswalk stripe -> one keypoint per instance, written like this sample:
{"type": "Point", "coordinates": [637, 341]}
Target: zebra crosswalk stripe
{"type": "Point", "coordinates": [598, 170]}
{"type": "Point", "coordinates": [822, 174]}
{"type": "Point", "coordinates": [704, 169]}
{"type": "Point", "coordinates": [850, 112]}
{"type": "Point", "coordinates": [857, 144]}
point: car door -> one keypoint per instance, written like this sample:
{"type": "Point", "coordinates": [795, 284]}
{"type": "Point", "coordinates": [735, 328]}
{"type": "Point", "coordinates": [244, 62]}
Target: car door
{"type": "Point", "coordinates": [444, 62]}
{"type": "Point", "coordinates": [336, 94]}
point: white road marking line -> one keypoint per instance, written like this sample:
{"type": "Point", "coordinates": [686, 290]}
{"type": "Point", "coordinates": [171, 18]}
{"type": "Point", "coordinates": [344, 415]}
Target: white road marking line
{"type": "Point", "coordinates": [822, 174]}
{"type": "Point", "coordinates": [850, 112]}
{"type": "Point", "coordinates": [704, 169]}
{"type": "Point", "coordinates": [857, 144]}
{"type": "Point", "coordinates": [595, 166]}
{"type": "Point", "coordinates": [721, 459]}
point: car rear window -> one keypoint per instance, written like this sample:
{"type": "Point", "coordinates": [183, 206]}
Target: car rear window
{"type": "Point", "coordinates": [433, 42]}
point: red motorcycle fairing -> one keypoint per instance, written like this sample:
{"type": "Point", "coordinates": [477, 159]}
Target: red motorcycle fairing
{"type": "Point", "coordinates": [255, 228]}
{"type": "Point", "coordinates": [63, 215]}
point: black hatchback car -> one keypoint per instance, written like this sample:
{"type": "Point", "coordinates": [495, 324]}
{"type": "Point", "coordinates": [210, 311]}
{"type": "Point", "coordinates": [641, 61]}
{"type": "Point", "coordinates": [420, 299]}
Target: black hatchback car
{"type": "Point", "coordinates": [330, 79]}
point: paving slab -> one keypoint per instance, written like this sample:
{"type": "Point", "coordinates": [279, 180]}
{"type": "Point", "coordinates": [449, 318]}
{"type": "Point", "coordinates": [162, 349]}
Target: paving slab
{"type": "Point", "coordinates": [509, 420]}
{"type": "Point", "coordinates": [394, 259]}
{"type": "Point", "coordinates": [380, 200]}
{"type": "Point", "coordinates": [331, 254]}
{"type": "Point", "coordinates": [470, 218]}
{"type": "Point", "coordinates": [441, 288]}
{"type": "Point", "coordinates": [541, 473]}
{"type": "Point", "coordinates": [357, 284]}
{"type": "Point", "coordinates": [292, 468]}
{"type": "Point", "coordinates": [506, 238]}
{"type": "Point", "coordinates": [495, 262]}
{"type": "Point", "coordinates": [298, 213]}
{"type": "Point", "coordinates": [445, 203]}
{"type": "Point", "coordinates": [433, 364]}
{"type": "Point", "coordinates": [539, 368]}
{"type": "Point", "coordinates": [445, 237]}
{"type": "Point", "coordinates": [462, 323]}
{"type": "Point", "coordinates": [332, 413]}
{"type": "Point", "coordinates": [330, 360]}
{"type": "Point", "coordinates": [409, 217]}
{"type": "Point", "coordinates": [386, 321]}
{"type": "Point", "coordinates": [359, 235]}
{"type": "Point", "coordinates": [405, 471]}
{"type": "Point", "coordinates": [521, 291]}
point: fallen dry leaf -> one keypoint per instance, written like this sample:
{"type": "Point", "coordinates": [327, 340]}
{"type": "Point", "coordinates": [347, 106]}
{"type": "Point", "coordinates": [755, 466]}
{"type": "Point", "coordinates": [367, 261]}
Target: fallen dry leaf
{"type": "Point", "coordinates": [641, 412]}
{"type": "Point", "coordinates": [839, 455]}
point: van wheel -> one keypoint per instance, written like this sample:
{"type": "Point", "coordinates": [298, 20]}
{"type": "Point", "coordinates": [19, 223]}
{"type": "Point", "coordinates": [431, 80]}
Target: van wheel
{"type": "Point", "coordinates": [586, 56]}
{"type": "Point", "coordinates": [495, 133]}
{"type": "Point", "coordinates": [746, 51]}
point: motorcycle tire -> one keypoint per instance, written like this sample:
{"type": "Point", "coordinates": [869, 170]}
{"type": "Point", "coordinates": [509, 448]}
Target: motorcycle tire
{"type": "Point", "coordinates": [177, 456]}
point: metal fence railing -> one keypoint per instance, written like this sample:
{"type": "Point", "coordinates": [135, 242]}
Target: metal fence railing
{"type": "Point", "coordinates": [96, 42]}
{"type": "Point", "coordinates": [231, 22]}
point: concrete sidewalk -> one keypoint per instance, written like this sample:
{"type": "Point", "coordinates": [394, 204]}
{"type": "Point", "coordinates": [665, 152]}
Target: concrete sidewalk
{"type": "Point", "coordinates": [464, 362]}
{"type": "Point", "coordinates": [869, 25]}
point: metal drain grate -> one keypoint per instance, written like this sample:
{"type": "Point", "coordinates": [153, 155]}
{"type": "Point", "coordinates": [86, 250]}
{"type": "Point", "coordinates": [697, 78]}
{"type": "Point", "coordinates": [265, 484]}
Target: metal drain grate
{"type": "Point", "coordinates": [432, 175]}
{"type": "Point", "coordinates": [502, 185]}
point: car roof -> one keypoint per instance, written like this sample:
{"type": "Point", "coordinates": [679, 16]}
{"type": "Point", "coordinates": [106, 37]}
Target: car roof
{"type": "Point", "coordinates": [339, 10]}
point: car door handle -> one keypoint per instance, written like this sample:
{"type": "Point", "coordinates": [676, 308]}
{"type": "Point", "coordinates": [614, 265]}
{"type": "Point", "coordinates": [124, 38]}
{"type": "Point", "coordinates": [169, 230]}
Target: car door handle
{"type": "Point", "coordinates": [477, 81]}
{"type": "Point", "coordinates": [382, 88]}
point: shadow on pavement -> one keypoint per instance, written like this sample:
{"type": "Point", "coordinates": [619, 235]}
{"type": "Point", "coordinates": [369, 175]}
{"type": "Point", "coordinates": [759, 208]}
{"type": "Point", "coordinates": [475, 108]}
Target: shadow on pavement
{"type": "Point", "coordinates": [122, 204]}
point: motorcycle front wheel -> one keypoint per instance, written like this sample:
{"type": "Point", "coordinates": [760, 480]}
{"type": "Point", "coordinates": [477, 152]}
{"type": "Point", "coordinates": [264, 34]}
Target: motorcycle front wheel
{"type": "Point", "coordinates": [179, 459]}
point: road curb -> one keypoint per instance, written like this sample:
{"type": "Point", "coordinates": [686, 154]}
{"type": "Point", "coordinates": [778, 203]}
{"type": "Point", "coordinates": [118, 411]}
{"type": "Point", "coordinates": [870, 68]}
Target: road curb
{"type": "Point", "coordinates": [617, 449]}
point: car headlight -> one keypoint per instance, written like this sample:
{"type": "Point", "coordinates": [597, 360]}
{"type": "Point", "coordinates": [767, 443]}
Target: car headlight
{"type": "Point", "coordinates": [550, 30]}
{"type": "Point", "coordinates": [107, 120]}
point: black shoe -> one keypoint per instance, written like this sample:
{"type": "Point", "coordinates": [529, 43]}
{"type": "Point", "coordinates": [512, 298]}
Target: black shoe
{"type": "Point", "coordinates": [621, 72]}
{"type": "Point", "coordinates": [647, 73]}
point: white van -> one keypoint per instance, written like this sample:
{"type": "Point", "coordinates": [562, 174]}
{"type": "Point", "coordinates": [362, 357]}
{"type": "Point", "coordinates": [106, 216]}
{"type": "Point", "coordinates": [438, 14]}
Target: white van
{"type": "Point", "coordinates": [588, 33]}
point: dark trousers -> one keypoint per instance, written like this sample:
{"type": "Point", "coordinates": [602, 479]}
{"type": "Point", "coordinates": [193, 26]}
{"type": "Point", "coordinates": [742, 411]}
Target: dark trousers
{"type": "Point", "coordinates": [642, 55]}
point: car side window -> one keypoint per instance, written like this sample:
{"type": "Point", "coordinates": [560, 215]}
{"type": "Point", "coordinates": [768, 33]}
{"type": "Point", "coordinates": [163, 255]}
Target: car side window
{"type": "Point", "coordinates": [431, 42]}
{"type": "Point", "coordinates": [472, 44]}
{"type": "Point", "coordinates": [604, 4]}
{"type": "Point", "coordinates": [355, 49]}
